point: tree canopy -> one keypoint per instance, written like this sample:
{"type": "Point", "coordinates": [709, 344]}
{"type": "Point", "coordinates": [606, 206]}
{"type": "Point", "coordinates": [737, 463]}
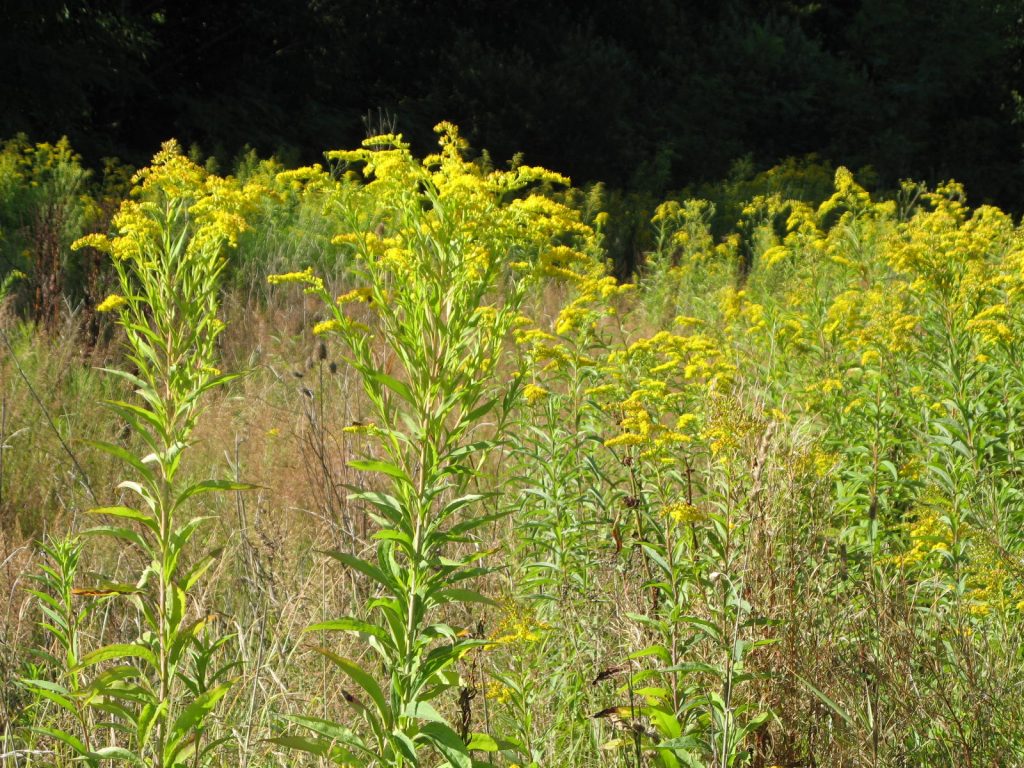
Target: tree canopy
{"type": "Point", "coordinates": [647, 95]}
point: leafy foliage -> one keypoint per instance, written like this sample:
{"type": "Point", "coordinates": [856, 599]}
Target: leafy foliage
{"type": "Point", "coordinates": [759, 507]}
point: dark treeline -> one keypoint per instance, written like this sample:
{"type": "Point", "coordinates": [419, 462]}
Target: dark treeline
{"type": "Point", "coordinates": [647, 95]}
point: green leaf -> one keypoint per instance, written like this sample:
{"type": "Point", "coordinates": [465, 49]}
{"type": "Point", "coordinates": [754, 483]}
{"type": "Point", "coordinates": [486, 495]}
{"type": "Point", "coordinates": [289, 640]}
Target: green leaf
{"type": "Point", "coordinates": [333, 731]}
{"type": "Point", "coordinates": [125, 534]}
{"type": "Point", "coordinates": [472, 522]}
{"type": "Point", "coordinates": [363, 679]}
{"type": "Point", "coordinates": [658, 650]}
{"type": "Point", "coordinates": [391, 383]}
{"type": "Point", "coordinates": [119, 651]}
{"type": "Point", "coordinates": [111, 681]}
{"type": "Point", "coordinates": [199, 569]}
{"type": "Point", "coordinates": [827, 701]}
{"type": "Point", "coordinates": [127, 457]}
{"type": "Point", "coordinates": [455, 505]}
{"type": "Point", "coordinates": [421, 710]}
{"type": "Point", "coordinates": [51, 692]}
{"type": "Point", "coordinates": [400, 537]}
{"type": "Point", "coordinates": [196, 712]}
{"type": "Point", "coordinates": [680, 748]}
{"type": "Point", "coordinates": [126, 512]}
{"type": "Point", "coordinates": [185, 532]}
{"type": "Point", "coordinates": [448, 743]}
{"type": "Point", "coordinates": [349, 624]}
{"type": "Point", "coordinates": [136, 415]}
{"type": "Point", "coordinates": [665, 721]}
{"type": "Point", "coordinates": [391, 507]}
{"type": "Point", "coordinates": [70, 739]}
{"type": "Point", "coordinates": [405, 746]}
{"type": "Point", "coordinates": [208, 486]}
{"type": "Point", "coordinates": [480, 411]}
{"type": "Point", "coordinates": [364, 567]}
{"type": "Point", "coordinates": [144, 493]}
{"type": "Point", "coordinates": [148, 717]}
{"type": "Point", "coordinates": [468, 450]}
{"type": "Point", "coordinates": [752, 725]}
{"type": "Point", "coordinates": [707, 627]}
{"type": "Point", "coordinates": [116, 753]}
{"type": "Point", "coordinates": [481, 742]}
{"type": "Point", "coordinates": [385, 467]}
{"type": "Point", "coordinates": [186, 637]}
{"type": "Point", "coordinates": [317, 747]}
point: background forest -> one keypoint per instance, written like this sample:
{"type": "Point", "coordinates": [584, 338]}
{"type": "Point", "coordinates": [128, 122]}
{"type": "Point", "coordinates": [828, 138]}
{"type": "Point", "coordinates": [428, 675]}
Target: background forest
{"type": "Point", "coordinates": [648, 95]}
{"type": "Point", "coordinates": [418, 452]}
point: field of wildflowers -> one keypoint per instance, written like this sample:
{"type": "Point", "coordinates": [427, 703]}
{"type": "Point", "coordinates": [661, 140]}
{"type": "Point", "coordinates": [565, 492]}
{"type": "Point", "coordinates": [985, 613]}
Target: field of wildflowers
{"type": "Point", "coordinates": [375, 463]}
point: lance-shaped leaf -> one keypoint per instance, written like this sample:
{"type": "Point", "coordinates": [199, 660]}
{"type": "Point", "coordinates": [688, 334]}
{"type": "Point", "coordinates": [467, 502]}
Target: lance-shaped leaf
{"type": "Point", "coordinates": [190, 719]}
{"type": "Point", "coordinates": [127, 513]}
{"type": "Point", "coordinates": [350, 624]}
{"type": "Point", "coordinates": [207, 486]}
{"type": "Point", "coordinates": [447, 742]}
{"type": "Point", "coordinates": [119, 651]}
{"type": "Point", "coordinates": [361, 678]}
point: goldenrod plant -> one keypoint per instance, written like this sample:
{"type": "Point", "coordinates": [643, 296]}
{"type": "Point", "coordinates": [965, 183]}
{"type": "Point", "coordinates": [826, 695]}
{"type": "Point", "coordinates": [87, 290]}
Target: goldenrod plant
{"type": "Point", "coordinates": [168, 250]}
{"type": "Point", "coordinates": [758, 505]}
{"type": "Point", "coordinates": [443, 254]}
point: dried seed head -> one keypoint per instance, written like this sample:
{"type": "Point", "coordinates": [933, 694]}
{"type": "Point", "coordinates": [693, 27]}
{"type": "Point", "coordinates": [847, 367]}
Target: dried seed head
{"type": "Point", "coordinates": [333, 367]}
{"type": "Point", "coordinates": [321, 351]}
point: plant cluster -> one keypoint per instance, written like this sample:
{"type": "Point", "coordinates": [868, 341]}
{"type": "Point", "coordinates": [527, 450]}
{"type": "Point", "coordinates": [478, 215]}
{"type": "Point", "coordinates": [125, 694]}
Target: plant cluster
{"type": "Point", "coordinates": [759, 506]}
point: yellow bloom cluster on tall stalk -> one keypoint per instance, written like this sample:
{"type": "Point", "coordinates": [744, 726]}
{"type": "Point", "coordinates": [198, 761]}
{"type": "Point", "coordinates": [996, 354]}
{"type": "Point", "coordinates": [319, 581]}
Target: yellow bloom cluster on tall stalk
{"type": "Point", "coordinates": [443, 253]}
{"type": "Point", "coordinates": [654, 387]}
{"type": "Point", "coordinates": [685, 264]}
{"type": "Point", "coordinates": [168, 251]}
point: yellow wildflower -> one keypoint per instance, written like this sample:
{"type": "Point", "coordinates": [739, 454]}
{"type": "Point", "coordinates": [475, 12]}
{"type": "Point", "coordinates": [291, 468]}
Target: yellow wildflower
{"type": "Point", "coordinates": [534, 394]}
{"type": "Point", "coordinates": [356, 294]}
{"type": "Point", "coordinates": [326, 326]}
{"type": "Point", "coordinates": [498, 691]}
{"type": "Point", "coordinates": [683, 512]}
{"type": "Point", "coordinates": [111, 303]}
{"type": "Point", "coordinates": [305, 277]}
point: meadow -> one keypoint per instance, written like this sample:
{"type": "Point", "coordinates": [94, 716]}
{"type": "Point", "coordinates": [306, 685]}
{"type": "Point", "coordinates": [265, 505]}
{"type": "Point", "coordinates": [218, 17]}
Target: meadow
{"type": "Point", "coordinates": [379, 463]}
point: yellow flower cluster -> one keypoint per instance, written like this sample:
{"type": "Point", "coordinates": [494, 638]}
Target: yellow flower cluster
{"type": "Point", "coordinates": [518, 625]}
{"type": "Point", "coordinates": [727, 425]}
{"type": "Point", "coordinates": [928, 535]}
{"type": "Point", "coordinates": [991, 324]}
{"type": "Point", "coordinates": [682, 512]}
{"type": "Point", "coordinates": [356, 294]}
{"type": "Point", "coordinates": [326, 326]}
{"type": "Point", "coordinates": [534, 394]}
{"type": "Point", "coordinates": [874, 320]}
{"type": "Point", "coordinates": [471, 223]}
{"type": "Point", "coordinates": [305, 277]}
{"type": "Point", "coordinates": [217, 209]}
{"type": "Point", "coordinates": [112, 303]}
{"type": "Point", "coordinates": [653, 386]}
{"type": "Point", "coordinates": [497, 691]}
{"type": "Point", "coordinates": [849, 198]}
{"type": "Point", "coordinates": [965, 258]}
